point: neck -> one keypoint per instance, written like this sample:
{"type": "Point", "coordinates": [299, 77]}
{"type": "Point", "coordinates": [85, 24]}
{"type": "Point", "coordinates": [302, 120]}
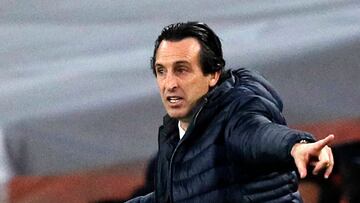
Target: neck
{"type": "Point", "coordinates": [184, 125]}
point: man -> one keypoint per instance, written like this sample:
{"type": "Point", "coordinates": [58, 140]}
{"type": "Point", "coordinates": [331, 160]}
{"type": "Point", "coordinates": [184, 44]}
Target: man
{"type": "Point", "coordinates": [224, 138]}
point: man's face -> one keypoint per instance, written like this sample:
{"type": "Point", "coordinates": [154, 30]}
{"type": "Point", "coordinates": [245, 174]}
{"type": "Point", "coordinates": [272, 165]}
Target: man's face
{"type": "Point", "coordinates": [180, 78]}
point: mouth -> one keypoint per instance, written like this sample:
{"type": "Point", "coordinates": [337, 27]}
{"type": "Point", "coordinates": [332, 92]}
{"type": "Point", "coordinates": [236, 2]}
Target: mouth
{"type": "Point", "coordinates": [174, 99]}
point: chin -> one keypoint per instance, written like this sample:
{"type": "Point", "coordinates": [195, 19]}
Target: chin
{"type": "Point", "coordinates": [177, 115]}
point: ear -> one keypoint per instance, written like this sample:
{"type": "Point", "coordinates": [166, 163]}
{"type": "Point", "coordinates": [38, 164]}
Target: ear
{"type": "Point", "coordinates": [214, 78]}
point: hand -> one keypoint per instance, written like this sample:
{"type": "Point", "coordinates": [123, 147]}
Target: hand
{"type": "Point", "coordinates": [316, 154]}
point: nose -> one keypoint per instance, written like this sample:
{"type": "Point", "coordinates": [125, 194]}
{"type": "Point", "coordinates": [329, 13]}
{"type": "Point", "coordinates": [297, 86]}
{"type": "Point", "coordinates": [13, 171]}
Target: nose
{"type": "Point", "coordinates": [170, 82]}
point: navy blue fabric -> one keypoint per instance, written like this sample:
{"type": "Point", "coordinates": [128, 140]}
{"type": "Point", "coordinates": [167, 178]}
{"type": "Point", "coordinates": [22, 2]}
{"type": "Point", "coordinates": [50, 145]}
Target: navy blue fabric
{"type": "Point", "coordinates": [149, 198]}
{"type": "Point", "coordinates": [236, 149]}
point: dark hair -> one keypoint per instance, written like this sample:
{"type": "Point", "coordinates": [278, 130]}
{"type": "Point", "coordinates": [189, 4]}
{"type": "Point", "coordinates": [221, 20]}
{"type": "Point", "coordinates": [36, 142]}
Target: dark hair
{"type": "Point", "coordinates": [211, 56]}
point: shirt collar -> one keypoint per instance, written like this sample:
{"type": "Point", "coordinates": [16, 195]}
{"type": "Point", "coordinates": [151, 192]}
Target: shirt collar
{"type": "Point", "coordinates": [181, 131]}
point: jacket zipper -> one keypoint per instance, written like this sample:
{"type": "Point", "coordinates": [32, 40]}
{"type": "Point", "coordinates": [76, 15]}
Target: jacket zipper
{"type": "Point", "coordinates": [176, 148]}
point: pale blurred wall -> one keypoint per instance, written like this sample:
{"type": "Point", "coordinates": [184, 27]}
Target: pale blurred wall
{"type": "Point", "coordinates": [76, 90]}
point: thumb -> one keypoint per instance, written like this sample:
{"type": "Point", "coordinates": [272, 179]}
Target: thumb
{"type": "Point", "coordinates": [301, 166]}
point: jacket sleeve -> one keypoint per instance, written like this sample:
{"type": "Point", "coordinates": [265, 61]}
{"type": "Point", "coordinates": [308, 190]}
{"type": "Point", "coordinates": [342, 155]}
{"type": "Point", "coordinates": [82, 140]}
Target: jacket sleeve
{"type": "Point", "coordinates": [149, 198]}
{"type": "Point", "coordinates": [254, 136]}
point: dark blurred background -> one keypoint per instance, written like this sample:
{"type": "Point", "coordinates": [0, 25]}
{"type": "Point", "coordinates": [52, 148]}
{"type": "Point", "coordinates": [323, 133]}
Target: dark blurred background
{"type": "Point", "coordinates": [78, 99]}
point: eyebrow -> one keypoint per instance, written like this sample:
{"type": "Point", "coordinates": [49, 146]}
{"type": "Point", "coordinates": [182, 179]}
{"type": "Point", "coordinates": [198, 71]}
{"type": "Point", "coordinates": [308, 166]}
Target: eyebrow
{"type": "Point", "coordinates": [181, 62]}
{"type": "Point", "coordinates": [176, 63]}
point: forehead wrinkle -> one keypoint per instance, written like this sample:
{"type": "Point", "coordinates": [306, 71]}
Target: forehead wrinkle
{"type": "Point", "coordinates": [169, 49]}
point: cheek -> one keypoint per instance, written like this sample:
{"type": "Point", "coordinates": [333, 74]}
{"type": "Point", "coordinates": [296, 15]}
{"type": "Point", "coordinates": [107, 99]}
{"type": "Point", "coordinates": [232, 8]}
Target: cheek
{"type": "Point", "coordinates": [199, 91]}
{"type": "Point", "coordinates": [159, 84]}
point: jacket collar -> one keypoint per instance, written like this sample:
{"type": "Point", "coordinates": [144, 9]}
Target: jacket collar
{"type": "Point", "coordinates": [233, 84]}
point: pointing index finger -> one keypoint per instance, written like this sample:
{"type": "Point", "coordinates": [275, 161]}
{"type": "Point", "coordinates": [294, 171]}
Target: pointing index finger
{"type": "Point", "coordinates": [323, 142]}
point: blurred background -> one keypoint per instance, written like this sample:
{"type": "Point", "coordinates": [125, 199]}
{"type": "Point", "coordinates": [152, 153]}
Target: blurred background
{"type": "Point", "coordinates": [79, 108]}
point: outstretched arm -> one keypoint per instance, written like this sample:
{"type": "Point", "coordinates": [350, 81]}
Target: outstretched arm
{"type": "Point", "coordinates": [316, 154]}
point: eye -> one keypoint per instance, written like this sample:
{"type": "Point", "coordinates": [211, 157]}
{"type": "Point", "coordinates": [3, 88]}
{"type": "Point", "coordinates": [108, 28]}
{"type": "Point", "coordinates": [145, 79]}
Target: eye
{"type": "Point", "coordinates": [181, 69]}
{"type": "Point", "coordinates": [160, 70]}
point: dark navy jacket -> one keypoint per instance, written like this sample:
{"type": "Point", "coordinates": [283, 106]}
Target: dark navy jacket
{"type": "Point", "coordinates": [236, 149]}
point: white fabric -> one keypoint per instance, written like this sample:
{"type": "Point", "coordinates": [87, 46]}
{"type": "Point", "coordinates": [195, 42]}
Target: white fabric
{"type": "Point", "coordinates": [181, 131]}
